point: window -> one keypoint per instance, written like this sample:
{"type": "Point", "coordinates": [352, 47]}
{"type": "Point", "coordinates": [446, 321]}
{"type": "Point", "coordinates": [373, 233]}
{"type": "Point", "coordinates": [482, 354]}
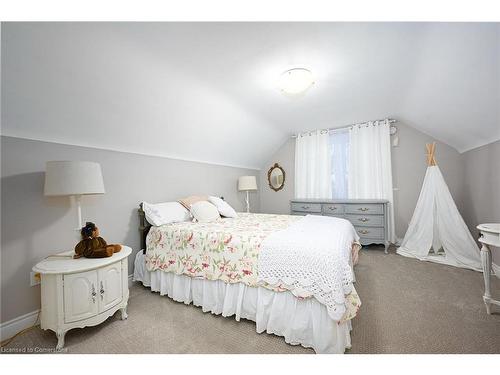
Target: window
{"type": "Point", "coordinates": [339, 151]}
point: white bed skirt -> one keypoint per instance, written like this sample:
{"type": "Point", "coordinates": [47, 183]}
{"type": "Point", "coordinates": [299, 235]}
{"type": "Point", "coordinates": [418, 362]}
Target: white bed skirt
{"type": "Point", "coordinates": [301, 322]}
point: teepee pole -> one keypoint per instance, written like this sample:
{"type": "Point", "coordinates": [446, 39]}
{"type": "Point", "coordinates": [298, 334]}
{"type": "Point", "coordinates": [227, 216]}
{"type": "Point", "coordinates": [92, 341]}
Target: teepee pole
{"type": "Point", "coordinates": [431, 148]}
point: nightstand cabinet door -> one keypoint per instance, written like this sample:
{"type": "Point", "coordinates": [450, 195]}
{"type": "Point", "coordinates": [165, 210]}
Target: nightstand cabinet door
{"type": "Point", "coordinates": [110, 286]}
{"type": "Point", "coordinates": [80, 296]}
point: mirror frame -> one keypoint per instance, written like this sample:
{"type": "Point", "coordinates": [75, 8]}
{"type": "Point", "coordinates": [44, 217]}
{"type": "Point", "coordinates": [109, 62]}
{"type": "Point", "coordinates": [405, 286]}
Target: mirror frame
{"type": "Point", "coordinates": [276, 165]}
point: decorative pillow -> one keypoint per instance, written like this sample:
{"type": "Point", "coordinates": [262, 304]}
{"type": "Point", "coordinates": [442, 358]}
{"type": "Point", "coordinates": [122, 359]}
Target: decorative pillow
{"type": "Point", "coordinates": [223, 207]}
{"type": "Point", "coordinates": [192, 199]}
{"type": "Point", "coordinates": [204, 211]}
{"type": "Point", "coordinates": [165, 213]}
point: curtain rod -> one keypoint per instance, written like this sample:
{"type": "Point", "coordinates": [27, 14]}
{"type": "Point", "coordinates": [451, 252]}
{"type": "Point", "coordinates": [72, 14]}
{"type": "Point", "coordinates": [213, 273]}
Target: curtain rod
{"type": "Point", "coordinates": [365, 123]}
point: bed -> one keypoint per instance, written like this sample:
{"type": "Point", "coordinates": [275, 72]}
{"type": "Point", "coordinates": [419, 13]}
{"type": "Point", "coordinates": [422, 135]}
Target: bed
{"type": "Point", "coordinates": [241, 267]}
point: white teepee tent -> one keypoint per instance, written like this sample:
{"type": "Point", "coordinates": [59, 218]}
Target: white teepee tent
{"type": "Point", "coordinates": [437, 226]}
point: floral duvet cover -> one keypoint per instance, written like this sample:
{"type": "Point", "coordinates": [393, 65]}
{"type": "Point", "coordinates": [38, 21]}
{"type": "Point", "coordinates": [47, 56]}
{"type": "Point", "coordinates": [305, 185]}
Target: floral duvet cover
{"type": "Point", "coordinates": [226, 250]}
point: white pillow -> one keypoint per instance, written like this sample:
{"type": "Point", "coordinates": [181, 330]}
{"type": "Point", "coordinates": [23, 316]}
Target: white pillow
{"type": "Point", "coordinates": [165, 213]}
{"type": "Point", "coordinates": [204, 211]}
{"type": "Point", "coordinates": [223, 207]}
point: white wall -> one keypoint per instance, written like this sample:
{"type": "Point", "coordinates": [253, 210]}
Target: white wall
{"type": "Point", "coordinates": [481, 195]}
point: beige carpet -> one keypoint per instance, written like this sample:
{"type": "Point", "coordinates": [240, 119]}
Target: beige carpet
{"type": "Point", "coordinates": [408, 307]}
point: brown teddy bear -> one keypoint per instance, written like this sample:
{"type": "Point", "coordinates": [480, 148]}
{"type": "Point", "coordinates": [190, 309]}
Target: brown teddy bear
{"type": "Point", "coordinates": [93, 246]}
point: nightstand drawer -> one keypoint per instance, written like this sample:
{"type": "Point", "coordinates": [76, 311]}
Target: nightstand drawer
{"type": "Point", "coordinates": [333, 209]}
{"type": "Point", "coordinates": [366, 220]}
{"type": "Point", "coordinates": [306, 207]}
{"type": "Point", "coordinates": [370, 232]}
{"type": "Point", "coordinates": [365, 209]}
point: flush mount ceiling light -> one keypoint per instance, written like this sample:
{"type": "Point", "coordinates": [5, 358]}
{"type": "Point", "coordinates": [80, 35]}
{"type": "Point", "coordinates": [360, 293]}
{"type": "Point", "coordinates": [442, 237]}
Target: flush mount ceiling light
{"type": "Point", "coordinates": [296, 81]}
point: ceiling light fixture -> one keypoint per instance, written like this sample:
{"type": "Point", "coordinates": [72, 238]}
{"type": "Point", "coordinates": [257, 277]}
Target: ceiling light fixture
{"type": "Point", "coordinates": [296, 81]}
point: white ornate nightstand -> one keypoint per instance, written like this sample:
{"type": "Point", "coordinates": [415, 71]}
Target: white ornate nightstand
{"type": "Point", "coordinates": [490, 236]}
{"type": "Point", "coordinates": [82, 292]}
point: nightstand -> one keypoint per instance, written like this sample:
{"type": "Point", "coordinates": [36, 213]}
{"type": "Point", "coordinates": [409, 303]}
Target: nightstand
{"type": "Point", "coordinates": [82, 292]}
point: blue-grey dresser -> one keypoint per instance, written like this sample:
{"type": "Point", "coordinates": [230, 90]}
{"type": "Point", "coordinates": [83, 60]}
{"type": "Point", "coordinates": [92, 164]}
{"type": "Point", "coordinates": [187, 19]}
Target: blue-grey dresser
{"type": "Point", "coordinates": [369, 216]}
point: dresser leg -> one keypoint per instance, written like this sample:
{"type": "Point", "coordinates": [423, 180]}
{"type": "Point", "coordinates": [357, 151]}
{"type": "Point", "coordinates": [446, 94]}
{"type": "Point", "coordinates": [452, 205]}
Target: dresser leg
{"type": "Point", "coordinates": [386, 245]}
{"type": "Point", "coordinates": [60, 339]}
{"type": "Point", "coordinates": [123, 311]}
{"type": "Point", "coordinates": [486, 262]}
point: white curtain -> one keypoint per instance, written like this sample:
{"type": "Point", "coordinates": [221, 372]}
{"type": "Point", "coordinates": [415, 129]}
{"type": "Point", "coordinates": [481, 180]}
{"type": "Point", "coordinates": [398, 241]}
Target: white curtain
{"type": "Point", "coordinates": [370, 173]}
{"type": "Point", "coordinates": [339, 141]}
{"type": "Point", "coordinates": [313, 165]}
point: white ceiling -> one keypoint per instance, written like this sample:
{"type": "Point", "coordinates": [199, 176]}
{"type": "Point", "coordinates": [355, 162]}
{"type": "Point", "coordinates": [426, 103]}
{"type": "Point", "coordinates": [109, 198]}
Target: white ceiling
{"type": "Point", "coordinates": [207, 91]}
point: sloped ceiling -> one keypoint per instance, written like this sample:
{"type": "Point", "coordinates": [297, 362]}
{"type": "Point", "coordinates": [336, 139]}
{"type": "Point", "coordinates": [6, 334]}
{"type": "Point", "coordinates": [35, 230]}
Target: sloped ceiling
{"type": "Point", "coordinates": [207, 91]}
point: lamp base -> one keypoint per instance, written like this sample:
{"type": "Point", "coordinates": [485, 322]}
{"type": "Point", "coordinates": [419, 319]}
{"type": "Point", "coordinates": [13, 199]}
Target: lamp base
{"type": "Point", "coordinates": [78, 201]}
{"type": "Point", "coordinates": [247, 201]}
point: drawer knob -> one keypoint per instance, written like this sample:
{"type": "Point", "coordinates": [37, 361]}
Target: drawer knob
{"type": "Point", "coordinates": [364, 219]}
{"type": "Point", "coordinates": [364, 231]}
{"type": "Point", "coordinates": [332, 208]}
{"type": "Point", "coordinates": [305, 207]}
{"type": "Point", "coordinates": [363, 209]}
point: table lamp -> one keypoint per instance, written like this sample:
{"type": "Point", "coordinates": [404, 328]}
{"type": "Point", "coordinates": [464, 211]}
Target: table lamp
{"type": "Point", "coordinates": [73, 178]}
{"type": "Point", "coordinates": [247, 183]}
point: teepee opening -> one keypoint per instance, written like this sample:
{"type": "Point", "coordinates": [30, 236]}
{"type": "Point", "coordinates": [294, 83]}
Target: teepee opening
{"type": "Point", "coordinates": [437, 231]}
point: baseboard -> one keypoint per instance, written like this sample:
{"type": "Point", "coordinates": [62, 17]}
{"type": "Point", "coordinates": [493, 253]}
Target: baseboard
{"type": "Point", "coordinates": [496, 269]}
{"type": "Point", "coordinates": [13, 326]}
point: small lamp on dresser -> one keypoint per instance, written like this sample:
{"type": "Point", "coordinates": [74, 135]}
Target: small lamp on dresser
{"type": "Point", "coordinates": [73, 178]}
{"type": "Point", "coordinates": [247, 184]}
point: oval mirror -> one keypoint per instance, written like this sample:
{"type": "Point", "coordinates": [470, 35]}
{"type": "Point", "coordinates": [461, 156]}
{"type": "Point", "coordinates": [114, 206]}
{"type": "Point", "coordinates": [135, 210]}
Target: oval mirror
{"type": "Point", "coordinates": [276, 177]}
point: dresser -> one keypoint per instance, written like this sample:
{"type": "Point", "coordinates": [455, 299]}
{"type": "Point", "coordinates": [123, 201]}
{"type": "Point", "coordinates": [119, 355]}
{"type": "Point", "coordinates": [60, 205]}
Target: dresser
{"type": "Point", "coordinates": [82, 292]}
{"type": "Point", "coordinates": [369, 216]}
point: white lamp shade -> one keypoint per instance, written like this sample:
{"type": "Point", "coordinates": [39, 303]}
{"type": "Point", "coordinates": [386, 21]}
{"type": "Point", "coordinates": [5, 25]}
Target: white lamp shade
{"type": "Point", "coordinates": [73, 178]}
{"type": "Point", "coordinates": [247, 183]}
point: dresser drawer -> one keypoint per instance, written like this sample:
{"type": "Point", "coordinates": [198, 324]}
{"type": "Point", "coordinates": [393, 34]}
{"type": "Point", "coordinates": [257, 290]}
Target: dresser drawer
{"type": "Point", "coordinates": [366, 220]}
{"type": "Point", "coordinates": [370, 232]}
{"type": "Point", "coordinates": [333, 209]}
{"type": "Point", "coordinates": [306, 207]}
{"type": "Point", "coordinates": [365, 209]}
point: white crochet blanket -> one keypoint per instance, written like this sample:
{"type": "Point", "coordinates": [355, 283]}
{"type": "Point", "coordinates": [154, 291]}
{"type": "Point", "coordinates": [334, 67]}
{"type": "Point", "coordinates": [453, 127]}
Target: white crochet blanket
{"type": "Point", "coordinates": [313, 255]}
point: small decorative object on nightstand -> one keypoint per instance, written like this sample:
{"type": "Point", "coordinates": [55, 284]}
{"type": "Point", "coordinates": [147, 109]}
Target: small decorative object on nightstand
{"type": "Point", "coordinates": [82, 292]}
{"type": "Point", "coordinates": [490, 238]}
